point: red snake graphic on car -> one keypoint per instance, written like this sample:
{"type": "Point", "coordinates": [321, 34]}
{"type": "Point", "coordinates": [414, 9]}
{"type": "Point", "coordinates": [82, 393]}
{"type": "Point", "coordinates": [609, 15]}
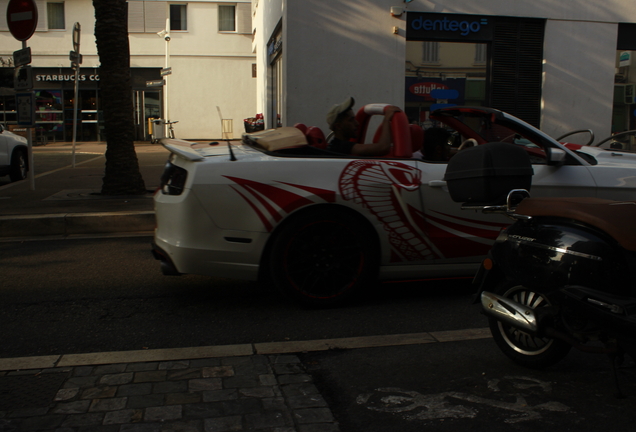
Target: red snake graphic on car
{"type": "Point", "coordinates": [378, 186]}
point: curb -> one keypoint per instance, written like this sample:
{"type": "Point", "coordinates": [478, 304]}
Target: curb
{"type": "Point", "coordinates": [263, 348]}
{"type": "Point", "coordinates": [67, 224]}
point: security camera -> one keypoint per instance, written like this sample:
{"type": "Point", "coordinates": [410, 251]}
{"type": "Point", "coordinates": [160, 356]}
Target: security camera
{"type": "Point", "coordinates": [164, 34]}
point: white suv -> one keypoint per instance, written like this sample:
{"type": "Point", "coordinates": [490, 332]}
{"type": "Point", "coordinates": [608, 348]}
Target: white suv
{"type": "Point", "coordinates": [13, 155]}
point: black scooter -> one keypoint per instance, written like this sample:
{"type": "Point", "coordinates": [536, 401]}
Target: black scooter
{"type": "Point", "coordinates": [562, 275]}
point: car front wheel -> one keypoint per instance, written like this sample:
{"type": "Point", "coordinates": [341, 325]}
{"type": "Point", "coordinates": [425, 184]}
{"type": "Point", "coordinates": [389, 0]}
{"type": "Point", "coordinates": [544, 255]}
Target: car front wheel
{"type": "Point", "coordinates": [323, 257]}
{"type": "Point", "coordinates": [19, 166]}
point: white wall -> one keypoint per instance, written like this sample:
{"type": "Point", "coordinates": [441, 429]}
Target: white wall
{"type": "Point", "coordinates": [210, 69]}
{"type": "Point", "coordinates": [50, 48]}
{"type": "Point", "coordinates": [333, 49]}
{"type": "Point", "coordinates": [347, 49]}
{"type": "Point", "coordinates": [578, 73]}
{"type": "Point", "coordinates": [327, 58]}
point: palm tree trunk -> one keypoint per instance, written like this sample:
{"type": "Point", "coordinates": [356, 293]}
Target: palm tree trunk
{"type": "Point", "coordinates": [122, 176]}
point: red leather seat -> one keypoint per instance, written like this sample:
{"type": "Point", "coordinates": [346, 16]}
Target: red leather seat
{"type": "Point", "coordinates": [315, 137]}
{"type": "Point", "coordinates": [301, 127]}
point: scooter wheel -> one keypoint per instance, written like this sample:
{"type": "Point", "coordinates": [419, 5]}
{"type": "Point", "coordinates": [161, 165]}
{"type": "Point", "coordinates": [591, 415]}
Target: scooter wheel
{"type": "Point", "coordinates": [523, 348]}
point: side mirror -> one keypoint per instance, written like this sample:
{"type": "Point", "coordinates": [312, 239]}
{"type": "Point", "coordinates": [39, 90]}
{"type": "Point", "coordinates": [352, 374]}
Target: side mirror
{"type": "Point", "coordinates": [555, 156]}
{"type": "Point", "coordinates": [1, 128]}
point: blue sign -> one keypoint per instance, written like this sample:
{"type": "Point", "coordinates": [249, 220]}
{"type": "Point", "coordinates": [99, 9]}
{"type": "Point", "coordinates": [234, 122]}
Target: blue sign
{"type": "Point", "coordinates": [451, 27]}
{"type": "Point", "coordinates": [445, 94]}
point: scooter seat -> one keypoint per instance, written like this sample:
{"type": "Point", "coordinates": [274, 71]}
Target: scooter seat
{"type": "Point", "coordinates": [616, 218]}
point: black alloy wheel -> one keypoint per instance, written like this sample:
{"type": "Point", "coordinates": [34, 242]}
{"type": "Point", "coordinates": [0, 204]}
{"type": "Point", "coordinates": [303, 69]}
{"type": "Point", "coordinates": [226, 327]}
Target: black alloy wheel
{"type": "Point", "coordinates": [323, 257]}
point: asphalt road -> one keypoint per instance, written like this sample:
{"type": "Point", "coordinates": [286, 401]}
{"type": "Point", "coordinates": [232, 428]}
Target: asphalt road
{"type": "Point", "coordinates": [93, 295]}
{"type": "Point", "coordinates": [470, 386]}
{"type": "Point", "coordinates": [46, 161]}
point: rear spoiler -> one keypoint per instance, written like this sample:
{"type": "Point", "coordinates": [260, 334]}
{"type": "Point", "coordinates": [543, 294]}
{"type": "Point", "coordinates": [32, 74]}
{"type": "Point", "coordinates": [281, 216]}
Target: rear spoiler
{"type": "Point", "coordinates": [181, 148]}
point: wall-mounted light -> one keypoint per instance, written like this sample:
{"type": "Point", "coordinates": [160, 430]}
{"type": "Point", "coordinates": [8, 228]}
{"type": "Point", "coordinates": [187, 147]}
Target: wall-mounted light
{"type": "Point", "coordinates": [397, 11]}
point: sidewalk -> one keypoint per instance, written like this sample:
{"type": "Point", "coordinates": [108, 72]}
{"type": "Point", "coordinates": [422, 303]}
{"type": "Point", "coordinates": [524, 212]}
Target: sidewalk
{"type": "Point", "coordinates": [248, 387]}
{"type": "Point", "coordinates": [66, 200]}
{"type": "Point", "coordinates": [201, 389]}
{"type": "Point", "coordinates": [244, 393]}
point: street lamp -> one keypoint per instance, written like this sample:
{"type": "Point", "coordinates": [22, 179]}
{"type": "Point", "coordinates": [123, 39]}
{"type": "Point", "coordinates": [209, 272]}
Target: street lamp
{"type": "Point", "coordinates": [165, 34]}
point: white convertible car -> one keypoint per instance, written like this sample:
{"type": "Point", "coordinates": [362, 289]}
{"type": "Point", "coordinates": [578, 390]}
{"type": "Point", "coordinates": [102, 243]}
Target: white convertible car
{"type": "Point", "coordinates": [322, 225]}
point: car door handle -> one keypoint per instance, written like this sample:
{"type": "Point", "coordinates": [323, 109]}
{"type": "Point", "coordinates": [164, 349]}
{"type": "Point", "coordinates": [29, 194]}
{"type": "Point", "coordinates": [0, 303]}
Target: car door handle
{"type": "Point", "coordinates": [437, 183]}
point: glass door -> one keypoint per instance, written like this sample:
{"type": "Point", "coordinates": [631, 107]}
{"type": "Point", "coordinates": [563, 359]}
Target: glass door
{"type": "Point", "coordinates": [147, 106]}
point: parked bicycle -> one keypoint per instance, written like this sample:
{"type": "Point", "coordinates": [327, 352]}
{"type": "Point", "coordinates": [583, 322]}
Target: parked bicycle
{"type": "Point", "coordinates": [170, 128]}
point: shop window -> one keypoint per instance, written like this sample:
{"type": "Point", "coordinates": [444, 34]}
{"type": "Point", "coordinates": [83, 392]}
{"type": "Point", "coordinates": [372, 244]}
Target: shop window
{"type": "Point", "coordinates": [49, 114]}
{"type": "Point", "coordinates": [624, 92]}
{"type": "Point", "coordinates": [275, 59]}
{"type": "Point", "coordinates": [227, 18]}
{"type": "Point", "coordinates": [8, 110]}
{"type": "Point", "coordinates": [55, 16]}
{"type": "Point", "coordinates": [450, 75]}
{"type": "Point", "coordinates": [178, 17]}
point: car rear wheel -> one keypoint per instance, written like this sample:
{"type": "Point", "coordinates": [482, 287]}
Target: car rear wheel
{"type": "Point", "coordinates": [523, 348]}
{"type": "Point", "coordinates": [19, 166]}
{"type": "Point", "coordinates": [323, 257]}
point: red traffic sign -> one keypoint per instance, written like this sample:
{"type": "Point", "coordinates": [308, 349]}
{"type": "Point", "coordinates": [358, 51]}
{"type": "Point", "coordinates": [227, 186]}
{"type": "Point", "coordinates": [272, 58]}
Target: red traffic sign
{"type": "Point", "coordinates": [22, 18]}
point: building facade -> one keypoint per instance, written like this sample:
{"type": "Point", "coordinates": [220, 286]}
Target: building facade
{"type": "Point", "coordinates": [561, 66]}
{"type": "Point", "coordinates": [210, 87]}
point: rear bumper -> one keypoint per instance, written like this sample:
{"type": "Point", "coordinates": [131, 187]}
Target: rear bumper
{"type": "Point", "coordinates": [167, 266]}
{"type": "Point", "coordinates": [187, 241]}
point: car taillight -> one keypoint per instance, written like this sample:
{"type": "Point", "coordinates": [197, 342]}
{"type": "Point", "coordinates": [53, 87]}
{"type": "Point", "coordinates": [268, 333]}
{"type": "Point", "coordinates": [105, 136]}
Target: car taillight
{"type": "Point", "coordinates": [173, 180]}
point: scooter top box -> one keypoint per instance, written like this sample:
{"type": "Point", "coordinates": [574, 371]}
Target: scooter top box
{"type": "Point", "coordinates": [485, 174]}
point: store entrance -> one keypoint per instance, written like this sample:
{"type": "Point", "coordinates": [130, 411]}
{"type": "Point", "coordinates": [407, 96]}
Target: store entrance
{"type": "Point", "coordinates": [147, 106]}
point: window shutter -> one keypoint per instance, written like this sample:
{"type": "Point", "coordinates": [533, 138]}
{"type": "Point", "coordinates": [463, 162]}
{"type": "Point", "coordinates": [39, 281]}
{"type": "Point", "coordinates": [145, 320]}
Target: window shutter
{"type": "Point", "coordinates": [244, 18]}
{"type": "Point", "coordinates": [517, 56]}
{"type": "Point", "coordinates": [3, 22]}
{"type": "Point", "coordinates": [430, 52]}
{"type": "Point", "coordinates": [43, 18]}
{"type": "Point", "coordinates": [136, 17]}
{"type": "Point", "coordinates": [155, 16]}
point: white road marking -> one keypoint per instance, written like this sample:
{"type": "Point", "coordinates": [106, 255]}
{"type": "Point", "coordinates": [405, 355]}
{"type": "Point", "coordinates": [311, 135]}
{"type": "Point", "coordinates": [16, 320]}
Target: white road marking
{"type": "Point", "coordinates": [416, 406]}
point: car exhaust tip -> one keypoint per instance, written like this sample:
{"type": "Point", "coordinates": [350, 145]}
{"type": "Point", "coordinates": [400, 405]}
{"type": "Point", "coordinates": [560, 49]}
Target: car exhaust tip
{"type": "Point", "coordinates": [509, 311]}
{"type": "Point", "coordinates": [167, 267]}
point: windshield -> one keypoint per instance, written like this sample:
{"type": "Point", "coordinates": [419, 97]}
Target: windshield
{"type": "Point", "coordinates": [486, 126]}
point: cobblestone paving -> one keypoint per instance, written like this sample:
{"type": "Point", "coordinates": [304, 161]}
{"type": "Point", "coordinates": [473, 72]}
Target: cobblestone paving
{"type": "Point", "coordinates": [252, 393]}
